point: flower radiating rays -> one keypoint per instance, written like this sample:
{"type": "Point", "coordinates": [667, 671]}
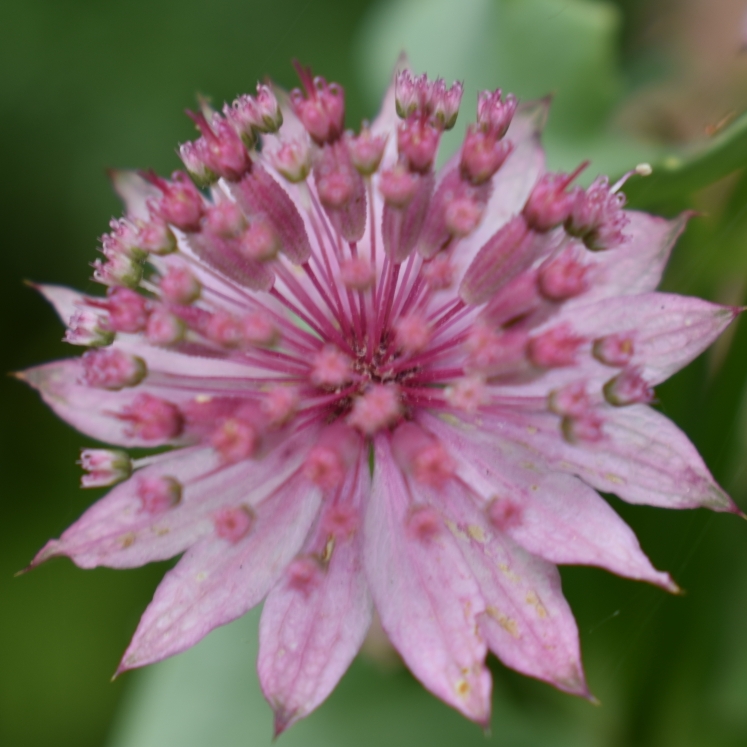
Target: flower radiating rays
{"type": "Point", "coordinates": [384, 387]}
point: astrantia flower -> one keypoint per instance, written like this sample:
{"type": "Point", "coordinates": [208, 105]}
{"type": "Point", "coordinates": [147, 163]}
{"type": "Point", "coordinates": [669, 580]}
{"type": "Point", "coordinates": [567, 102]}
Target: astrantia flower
{"type": "Point", "coordinates": [383, 388]}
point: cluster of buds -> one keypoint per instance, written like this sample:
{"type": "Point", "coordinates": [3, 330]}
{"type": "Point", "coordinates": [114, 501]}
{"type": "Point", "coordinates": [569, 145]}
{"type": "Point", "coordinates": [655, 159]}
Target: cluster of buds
{"type": "Point", "coordinates": [223, 149]}
{"type": "Point", "coordinates": [253, 116]}
{"type": "Point", "coordinates": [320, 106]}
{"type": "Point", "coordinates": [417, 95]}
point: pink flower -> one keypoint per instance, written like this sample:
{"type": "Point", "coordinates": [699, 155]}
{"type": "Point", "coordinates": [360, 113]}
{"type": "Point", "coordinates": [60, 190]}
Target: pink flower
{"type": "Point", "coordinates": [384, 388]}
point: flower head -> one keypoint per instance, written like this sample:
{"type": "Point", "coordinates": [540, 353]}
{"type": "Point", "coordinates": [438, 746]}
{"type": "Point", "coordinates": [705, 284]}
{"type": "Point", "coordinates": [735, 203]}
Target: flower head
{"type": "Point", "coordinates": [381, 387]}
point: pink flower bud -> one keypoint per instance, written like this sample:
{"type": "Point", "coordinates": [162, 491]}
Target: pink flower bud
{"type": "Point", "coordinates": [413, 333]}
{"type": "Point", "coordinates": [424, 523]}
{"type": "Point", "coordinates": [259, 242]}
{"type": "Point", "coordinates": [357, 274]}
{"type": "Point", "coordinates": [330, 368]}
{"type": "Point", "coordinates": [330, 459]}
{"type": "Point", "coordinates": [321, 107]}
{"type": "Point", "coordinates": [260, 331]}
{"type": "Point", "coordinates": [111, 368]}
{"type": "Point", "coordinates": [463, 215]}
{"type": "Point", "coordinates": [292, 159]}
{"type": "Point", "coordinates": [179, 286]}
{"type": "Point", "coordinates": [379, 407]}
{"type": "Point", "coordinates": [224, 329]}
{"type": "Point", "coordinates": [279, 404]}
{"type": "Point", "coordinates": [86, 327]}
{"type": "Point", "coordinates": [152, 418]}
{"type": "Point", "coordinates": [411, 94]}
{"type": "Point", "coordinates": [158, 494]}
{"type": "Point", "coordinates": [555, 348]}
{"type": "Point", "coordinates": [482, 155]}
{"type": "Point", "coordinates": [128, 310]}
{"type": "Point", "coordinates": [445, 103]}
{"type": "Point", "coordinates": [366, 150]}
{"type": "Point", "coordinates": [250, 115]}
{"type": "Point", "coordinates": [571, 400]}
{"type": "Point", "coordinates": [418, 142]}
{"type": "Point", "coordinates": [235, 439]}
{"type": "Point", "coordinates": [398, 186]}
{"type": "Point", "coordinates": [504, 513]}
{"type": "Point", "coordinates": [233, 524]}
{"type": "Point", "coordinates": [220, 149]}
{"type": "Point", "coordinates": [104, 466]}
{"type": "Point", "coordinates": [614, 350]}
{"type": "Point", "coordinates": [493, 353]}
{"type": "Point", "coordinates": [181, 203]}
{"type": "Point", "coordinates": [628, 388]}
{"type": "Point", "coordinates": [421, 455]}
{"type": "Point", "coordinates": [304, 574]}
{"type": "Point", "coordinates": [119, 269]}
{"type": "Point", "coordinates": [155, 237]}
{"type": "Point", "coordinates": [439, 273]}
{"type": "Point", "coordinates": [563, 276]}
{"type": "Point", "coordinates": [164, 328]}
{"type": "Point", "coordinates": [549, 204]}
{"type": "Point", "coordinates": [225, 219]}
{"type": "Point", "coordinates": [587, 428]}
{"type": "Point", "coordinates": [597, 216]}
{"type": "Point", "coordinates": [494, 113]}
{"type": "Point", "coordinates": [467, 394]}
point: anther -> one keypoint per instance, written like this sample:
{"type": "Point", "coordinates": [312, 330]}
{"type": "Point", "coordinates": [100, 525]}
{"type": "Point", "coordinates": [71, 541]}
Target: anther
{"type": "Point", "coordinates": [158, 493]}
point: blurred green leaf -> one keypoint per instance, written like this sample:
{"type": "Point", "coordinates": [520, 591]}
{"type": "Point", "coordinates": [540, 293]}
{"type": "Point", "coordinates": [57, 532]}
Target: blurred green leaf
{"type": "Point", "coordinates": [680, 174]}
{"type": "Point", "coordinates": [531, 47]}
{"type": "Point", "coordinates": [210, 696]}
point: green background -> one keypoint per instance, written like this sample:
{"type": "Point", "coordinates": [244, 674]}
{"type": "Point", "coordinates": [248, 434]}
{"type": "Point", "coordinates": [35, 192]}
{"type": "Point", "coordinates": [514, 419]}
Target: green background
{"type": "Point", "coordinates": [88, 85]}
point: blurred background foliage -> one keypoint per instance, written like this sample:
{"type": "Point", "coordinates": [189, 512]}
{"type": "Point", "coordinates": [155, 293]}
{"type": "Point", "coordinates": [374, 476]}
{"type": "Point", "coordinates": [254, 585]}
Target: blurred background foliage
{"type": "Point", "coordinates": [87, 84]}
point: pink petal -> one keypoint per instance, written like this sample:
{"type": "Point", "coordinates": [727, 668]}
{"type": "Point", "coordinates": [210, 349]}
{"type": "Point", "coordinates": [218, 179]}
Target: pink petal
{"type": "Point", "coordinates": [668, 330]}
{"type": "Point", "coordinates": [553, 515]}
{"type": "Point", "coordinates": [217, 581]}
{"type": "Point", "coordinates": [637, 265]}
{"type": "Point", "coordinates": [64, 300]}
{"type": "Point", "coordinates": [134, 192]}
{"type": "Point", "coordinates": [643, 457]}
{"type": "Point", "coordinates": [119, 532]}
{"type": "Point", "coordinates": [309, 636]}
{"type": "Point", "coordinates": [92, 411]}
{"type": "Point", "coordinates": [527, 622]}
{"type": "Point", "coordinates": [426, 596]}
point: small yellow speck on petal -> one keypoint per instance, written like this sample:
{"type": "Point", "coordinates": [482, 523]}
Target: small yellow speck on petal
{"type": "Point", "coordinates": [506, 622]}
{"type": "Point", "coordinates": [128, 540]}
{"type": "Point", "coordinates": [616, 479]}
{"type": "Point", "coordinates": [476, 533]}
{"type": "Point", "coordinates": [462, 688]}
{"type": "Point", "coordinates": [203, 399]}
{"type": "Point", "coordinates": [533, 599]}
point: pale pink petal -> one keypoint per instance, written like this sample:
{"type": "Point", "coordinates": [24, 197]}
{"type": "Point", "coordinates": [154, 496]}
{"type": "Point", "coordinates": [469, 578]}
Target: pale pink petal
{"type": "Point", "coordinates": [526, 621]}
{"type": "Point", "coordinates": [217, 580]}
{"type": "Point", "coordinates": [636, 266]}
{"type": "Point", "coordinates": [425, 594]}
{"type": "Point", "coordinates": [64, 300]}
{"type": "Point", "coordinates": [668, 330]}
{"type": "Point", "coordinates": [122, 531]}
{"type": "Point", "coordinates": [134, 191]}
{"type": "Point", "coordinates": [553, 515]}
{"type": "Point", "coordinates": [93, 411]}
{"type": "Point", "coordinates": [643, 457]}
{"type": "Point", "coordinates": [312, 629]}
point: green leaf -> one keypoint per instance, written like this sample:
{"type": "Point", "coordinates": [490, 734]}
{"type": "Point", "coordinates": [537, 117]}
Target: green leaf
{"type": "Point", "coordinates": [680, 174]}
{"type": "Point", "coordinates": [531, 47]}
{"type": "Point", "coordinates": [210, 696]}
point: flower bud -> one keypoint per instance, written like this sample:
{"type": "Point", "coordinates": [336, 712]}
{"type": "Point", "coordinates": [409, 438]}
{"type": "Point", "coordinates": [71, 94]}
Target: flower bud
{"type": "Point", "coordinates": [104, 466]}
